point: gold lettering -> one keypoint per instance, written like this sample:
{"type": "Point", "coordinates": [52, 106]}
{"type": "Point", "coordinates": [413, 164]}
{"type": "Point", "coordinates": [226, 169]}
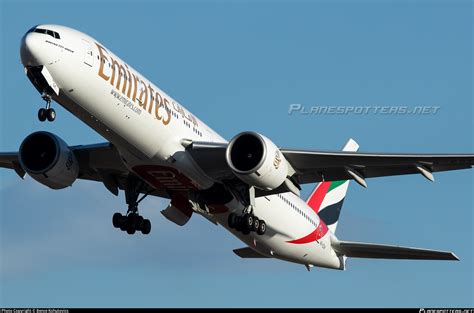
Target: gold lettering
{"type": "Point", "coordinates": [121, 72]}
{"type": "Point", "coordinates": [151, 102]}
{"type": "Point", "coordinates": [102, 61]}
{"type": "Point", "coordinates": [168, 111]}
{"type": "Point", "coordinates": [181, 111]}
{"type": "Point", "coordinates": [159, 103]}
{"type": "Point", "coordinates": [175, 106]}
{"type": "Point", "coordinates": [129, 79]}
{"type": "Point", "coordinates": [135, 87]}
{"type": "Point", "coordinates": [159, 99]}
{"type": "Point", "coordinates": [147, 98]}
{"type": "Point", "coordinates": [143, 94]}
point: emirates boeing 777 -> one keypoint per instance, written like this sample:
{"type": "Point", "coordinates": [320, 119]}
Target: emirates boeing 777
{"type": "Point", "coordinates": [156, 147]}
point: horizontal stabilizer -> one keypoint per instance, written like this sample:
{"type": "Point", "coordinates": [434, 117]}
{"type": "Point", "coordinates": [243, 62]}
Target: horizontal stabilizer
{"type": "Point", "coordinates": [248, 253]}
{"type": "Point", "coordinates": [377, 251]}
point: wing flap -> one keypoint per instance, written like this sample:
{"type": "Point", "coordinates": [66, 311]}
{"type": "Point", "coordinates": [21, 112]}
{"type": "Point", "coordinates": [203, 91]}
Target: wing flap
{"type": "Point", "coordinates": [378, 251]}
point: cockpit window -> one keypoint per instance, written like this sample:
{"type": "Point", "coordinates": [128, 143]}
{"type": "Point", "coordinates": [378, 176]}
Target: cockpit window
{"type": "Point", "coordinates": [45, 31]}
{"type": "Point", "coordinates": [32, 29]}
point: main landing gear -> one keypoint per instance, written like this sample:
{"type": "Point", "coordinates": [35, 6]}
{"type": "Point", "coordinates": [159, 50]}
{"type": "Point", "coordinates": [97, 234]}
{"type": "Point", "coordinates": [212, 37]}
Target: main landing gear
{"type": "Point", "coordinates": [48, 112]}
{"type": "Point", "coordinates": [132, 221]}
{"type": "Point", "coordinates": [247, 221]}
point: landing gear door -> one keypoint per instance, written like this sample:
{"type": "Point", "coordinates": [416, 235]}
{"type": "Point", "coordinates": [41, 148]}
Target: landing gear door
{"type": "Point", "coordinates": [88, 55]}
{"type": "Point", "coordinates": [49, 80]}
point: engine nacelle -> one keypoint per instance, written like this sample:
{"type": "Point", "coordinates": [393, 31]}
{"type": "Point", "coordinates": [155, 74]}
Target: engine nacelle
{"type": "Point", "coordinates": [257, 161]}
{"type": "Point", "coordinates": [48, 160]}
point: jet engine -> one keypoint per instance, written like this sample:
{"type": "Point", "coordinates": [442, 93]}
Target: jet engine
{"type": "Point", "coordinates": [257, 161]}
{"type": "Point", "coordinates": [48, 160]}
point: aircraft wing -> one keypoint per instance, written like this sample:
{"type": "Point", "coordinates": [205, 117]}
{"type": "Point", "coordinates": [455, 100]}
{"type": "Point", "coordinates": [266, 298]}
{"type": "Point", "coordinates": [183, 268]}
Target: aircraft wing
{"type": "Point", "coordinates": [316, 166]}
{"type": "Point", "coordinates": [378, 251]}
{"type": "Point", "coordinates": [97, 162]}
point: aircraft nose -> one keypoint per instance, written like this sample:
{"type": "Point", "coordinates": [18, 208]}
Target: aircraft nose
{"type": "Point", "coordinates": [29, 49]}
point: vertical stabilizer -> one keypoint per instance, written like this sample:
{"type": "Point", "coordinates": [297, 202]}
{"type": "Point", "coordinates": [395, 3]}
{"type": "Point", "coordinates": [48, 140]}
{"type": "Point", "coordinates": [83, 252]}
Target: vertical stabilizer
{"type": "Point", "coordinates": [327, 198]}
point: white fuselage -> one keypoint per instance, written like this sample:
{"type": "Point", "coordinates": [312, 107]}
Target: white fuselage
{"type": "Point", "coordinates": [147, 127]}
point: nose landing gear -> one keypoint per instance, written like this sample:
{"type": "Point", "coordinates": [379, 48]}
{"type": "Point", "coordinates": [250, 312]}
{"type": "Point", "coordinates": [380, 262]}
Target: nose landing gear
{"type": "Point", "coordinates": [48, 112]}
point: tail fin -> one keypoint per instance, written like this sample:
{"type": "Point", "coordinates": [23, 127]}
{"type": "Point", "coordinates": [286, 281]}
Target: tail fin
{"type": "Point", "coordinates": [327, 198]}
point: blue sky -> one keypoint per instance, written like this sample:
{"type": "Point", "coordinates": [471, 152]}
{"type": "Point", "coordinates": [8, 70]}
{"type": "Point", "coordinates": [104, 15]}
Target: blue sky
{"type": "Point", "coordinates": [238, 65]}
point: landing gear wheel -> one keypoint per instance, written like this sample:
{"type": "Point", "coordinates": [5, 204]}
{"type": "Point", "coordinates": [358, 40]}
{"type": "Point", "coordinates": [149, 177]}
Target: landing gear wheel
{"type": "Point", "coordinates": [262, 228]}
{"type": "Point", "coordinates": [238, 223]}
{"type": "Point", "coordinates": [50, 114]}
{"type": "Point", "coordinates": [146, 227]}
{"type": "Point", "coordinates": [139, 222]}
{"type": "Point", "coordinates": [132, 221]}
{"type": "Point", "coordinates": [123, 227]}
{"type": "Point", "coordinates": [256, 224]}
{"type": "Point", "coordinates": [42, 114]}
{"type": "Point", "coordinates": [231, 220]}
{"type": "Point", "coordinates": [248, 221]}
{"type": "Point", "coordinates": [118, 220]}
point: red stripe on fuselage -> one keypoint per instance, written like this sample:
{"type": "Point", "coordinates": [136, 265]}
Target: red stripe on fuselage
{"type": "Point", "coordinates": [318, 196]}
{"type": "Point", "coordinates": [317, 234]}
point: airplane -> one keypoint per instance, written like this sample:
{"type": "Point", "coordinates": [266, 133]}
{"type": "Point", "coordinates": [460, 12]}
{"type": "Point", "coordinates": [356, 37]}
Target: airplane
{"type": "Point", "coordinates": [156, 147]}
